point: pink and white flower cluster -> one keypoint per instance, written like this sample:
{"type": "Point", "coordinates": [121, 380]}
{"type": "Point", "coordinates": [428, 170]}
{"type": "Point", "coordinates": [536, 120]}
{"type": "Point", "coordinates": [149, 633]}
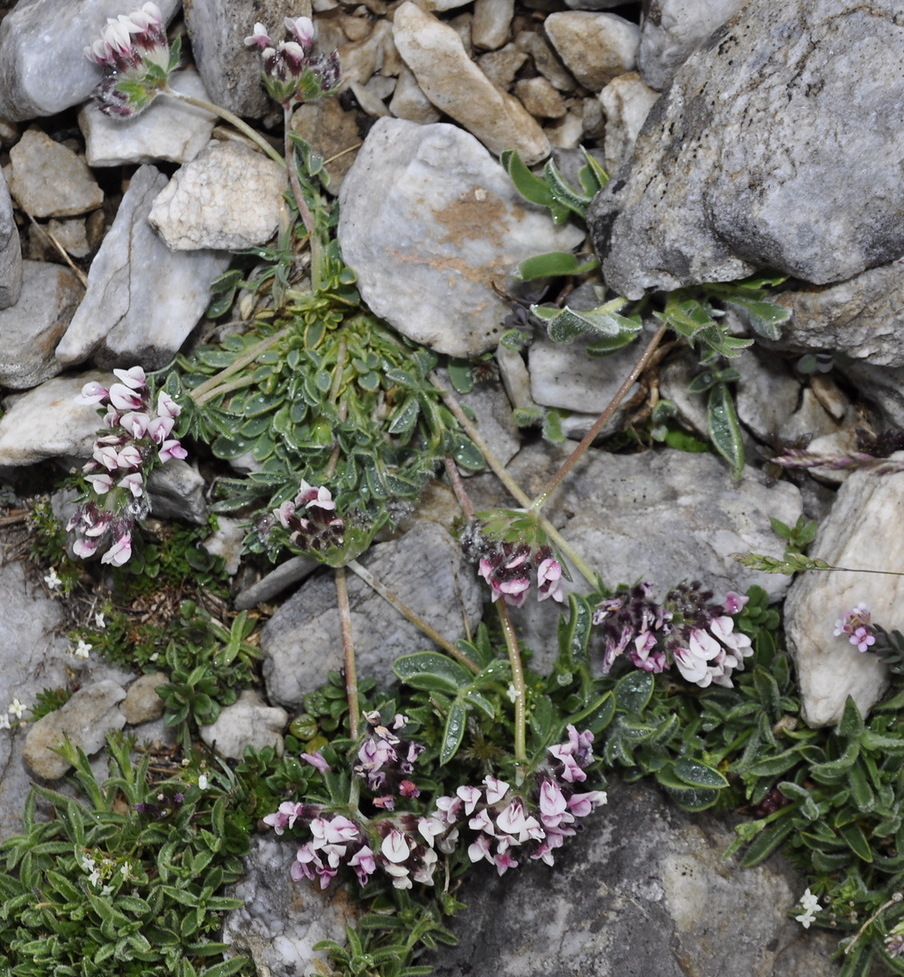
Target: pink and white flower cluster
{"type": "Point", "coordinates": [856, 624]}
{"type": "Point", "coordinates": [509, 569]}
{"type": "Point", "coordinates": [687, 630]}
{"type": "Point", "coordinates": [311, 519]}
{"type": "Point", "coordinates": [291, 74]}
{"type": "Point", "coordinates": [135, 54]}
{"type": "Point", "coordinates": [499, 824]}
{"type": "Point", "coordinates": [386, 762]}
{"type": "Point", "coordinates": [139, 438]}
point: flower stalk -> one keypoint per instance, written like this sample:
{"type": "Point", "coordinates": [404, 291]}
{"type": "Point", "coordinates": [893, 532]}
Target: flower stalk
{"type": "Point", "coordinates": [519, 689]}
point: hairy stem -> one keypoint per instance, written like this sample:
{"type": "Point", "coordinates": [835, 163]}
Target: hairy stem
{"type": "Point", "coordinates": [600, 422]}
{"type": "Point", "coordinates": [214, 386]}
{"type": "Point", "coordinates": [412, 616]}
{"type": "Point", "coordinates": [348, 648]}
{"type": "Point", "coordinates": [560, 543]}
{"type": "Point", "coordinates": [519, 688]}
{"type": "Point", "coordinates": [304, 212]}
{"type": "Point", "coordinates": [231, 118]}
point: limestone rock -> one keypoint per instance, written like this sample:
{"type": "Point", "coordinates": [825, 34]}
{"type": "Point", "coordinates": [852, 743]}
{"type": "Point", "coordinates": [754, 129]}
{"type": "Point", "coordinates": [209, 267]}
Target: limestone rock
{"type": "Point", "coordinates": [247, 722]}
{"type": "Point", "coordinates": [142, 299]}
{"type": "Point", "coordinates": [863, 317]}
{"type": "Point", "coordinates": [49, 180]}
{"type": "Point", "coordinates": [84, 720]}
{"type": "Point", "coordinates": [455, 85]}
{"type": "Point", "coordinates": [142, 704]}
{"type": "Point", "coordinates": [47, 422]}
{"type": "Point", "coordinates": [10, 250]}
{"type": "Point", "coordinates": [429, 222]}
{"type": "Point", "coordinates": [228, 197]}
{"type": "Point", "coordinates": [230, 71]}
{"type": "Point", "coordinates": [174, 131]}
{"type": "Point", "coordinates": [754, 156]}
{"type": "Point", "coordinates": [861, 532]}
{"type": "Point", "coordinates": [425, 569]}
{"type": "Point", "coordinates": [492, 23]}
{"type": "Point", "coordinates": [626, 101]}
{"type": "Point", "coordinates": [595, 47]}
{"type": "Point", "coordinates": [43, 68]}
{"type": "Point", "coordinates": [31, 329]}
{"type": "Point", "coordinates": [623, 900]}
{"type": "Point", "coordinates": [672, 30]}
{"type": "Point", "coordinates": [281, 920]}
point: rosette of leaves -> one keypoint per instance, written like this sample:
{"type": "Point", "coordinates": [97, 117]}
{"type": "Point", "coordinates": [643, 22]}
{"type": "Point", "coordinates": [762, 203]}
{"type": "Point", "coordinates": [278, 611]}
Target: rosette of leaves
{"type": "Point", "coordinates": [326, 392]}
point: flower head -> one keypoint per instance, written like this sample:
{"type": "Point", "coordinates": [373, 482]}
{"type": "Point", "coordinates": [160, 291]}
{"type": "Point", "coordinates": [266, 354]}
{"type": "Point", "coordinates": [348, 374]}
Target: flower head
{"type": "Point", "coordinates": [857, 625]}
{"type": "Point", "coordinates": [810, 905]}
{"type": "Point", "coordinates": [291, 75]}
{"type": "Point", "coordinates": [137, 60]}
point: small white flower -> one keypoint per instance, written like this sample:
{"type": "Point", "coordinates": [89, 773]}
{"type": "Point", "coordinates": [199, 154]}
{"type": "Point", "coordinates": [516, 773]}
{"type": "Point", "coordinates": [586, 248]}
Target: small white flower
{"type": "Point", "coordinates": [202, 781]}
{"type": "Point", "coordinates": [17, 708]}
{"type": "Point", "coordinates": [5, 723]}
{"type": "Point", "coordinates": [810, 905]}
{"type": "Point", "coordinates": [99, 621]}
{"type": "Point", "coordinates": [512, 693]}
{"type": "Point", "coordinates": [82, 649]}
{"type": "Point", "coordinates": [52, 580]}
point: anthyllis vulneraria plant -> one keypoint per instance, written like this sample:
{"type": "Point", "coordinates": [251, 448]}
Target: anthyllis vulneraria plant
{"type": "Point", "coordinates": [138, 439]}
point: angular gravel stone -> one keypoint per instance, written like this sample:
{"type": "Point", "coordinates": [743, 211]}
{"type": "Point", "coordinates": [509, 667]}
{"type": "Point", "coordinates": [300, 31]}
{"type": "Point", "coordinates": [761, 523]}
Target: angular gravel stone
{"type": "Point", "coordinates": [595, 47]}
{"type": "Point", "coordinates": [430, 222]}
{"type": "Point", "coordinates": [248, 722]}
{"type": "Point", "coordinates": [30, 330]}
{"type": "Point", "coordinates": [228, 197]}
{"type": "Point", "coordinates": [142, 299]}
{"type": "Point", "coordinates": [755, 155]}
{"type": "Point", "coordinates": [49, 180]}
{"type": "Point", "coordinates": [455, 85]}
{"type": "Point", "coordinates": [10, 250]}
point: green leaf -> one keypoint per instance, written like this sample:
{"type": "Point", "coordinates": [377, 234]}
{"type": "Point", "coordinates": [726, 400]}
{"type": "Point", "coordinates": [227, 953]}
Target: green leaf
{"type": "Point", "coordinates": [453, 732]}
{"type": "Point", "coordinates": [851, 725]}
{"type": "Point", "coordinates": [725, 429]}
{"type": "Point", "coordinates": [461, 376]}
{"type": "Point", "coordinates": [574, 631]}
{"type": "Point", "coordinates": [633, 692]}
{"type": "Point", "coordinates": [766, 843]}
{"type": "Point", "coordinates": [693, 799]}
{"type": "Point", "coordinates": [696, 774]}
{"type": "Point", "coordinates": [530, 187]}
{"type": "Point", "coordinates": [608, 329]}
{"type": "Point", "coordinates": [564, 194]}
{"type": "Point", "coordinates": [432, 672]}
{"type": "Point", "coordinates": [554, 264]}
{"type": "Point", "coordinates": [764, 318]}
{"type": "Point", "coordinates": [857, 841]}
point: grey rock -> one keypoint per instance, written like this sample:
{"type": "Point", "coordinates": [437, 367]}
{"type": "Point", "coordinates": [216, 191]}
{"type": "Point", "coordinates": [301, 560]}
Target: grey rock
{"type": "Point", "coordinates": [861, 532]}
{"type": "Point", "coordinates": [43, 68]}
{"type": "Point", "coordinates": [666, 516]}
{"type": "Point", "coordinates": [31, 329]}
{"type": "Point", "coordinates": [626, 101]}
{"type": "Point", "coordinates": [629, 901]}
{"type": "Point", "coordinates": [409, 102]}
{"type": "Point", "coordinates": [455, 85]}
{"type": "Point", "coordinates": [10, 250]}
{"type": "Point", "coordinates": [721, 182]}
{"type": "Point", "coordinates": [142, 299]}
{"type": "Point", "coordinates": [281, 920]}
{"type": "Point", "coordinates": [226, 542]}
{"type": "Point", "coordinates": [232, 72]}
{"type": "Point", "coordinates": [85, 719]}
{"type": "Point", "coordinates": [883, 387]}
{"type": "Point", "coordinates": [539, 97]}
{"type": "Point", "coordinates": [71, 235]}
{"type": "Point", "coordinates": [275, 582]}
{"type": "Point", "coordinates": [425, 569]}
{"type": "Point", "coordinates": [228, 197]}
{"type": "Point", "coordinates": [173, 131]}
{"type": "Point", "coordinates": [671, 30]}
{"type": "Point", "coordinates": [49, 180]}
{"type": "Point", "coordinates": [862, 317]}
{"type": "Point", "coordinates": [595, 47]}
{"type": "Point", "coordinates": [46, 422]}
{"type": "Point", "coordinates": [247, 722]}
{"type": "Point", "coordinates": [176, 491]}
{"type": "Point", "coordinates": [546, 60]}
{"type": "Point", "coordinates": [142, 704]}
{"type": "Point", "coordinates": [499, 66]}
{"type": "Point", "coordinates": [430, 222]}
